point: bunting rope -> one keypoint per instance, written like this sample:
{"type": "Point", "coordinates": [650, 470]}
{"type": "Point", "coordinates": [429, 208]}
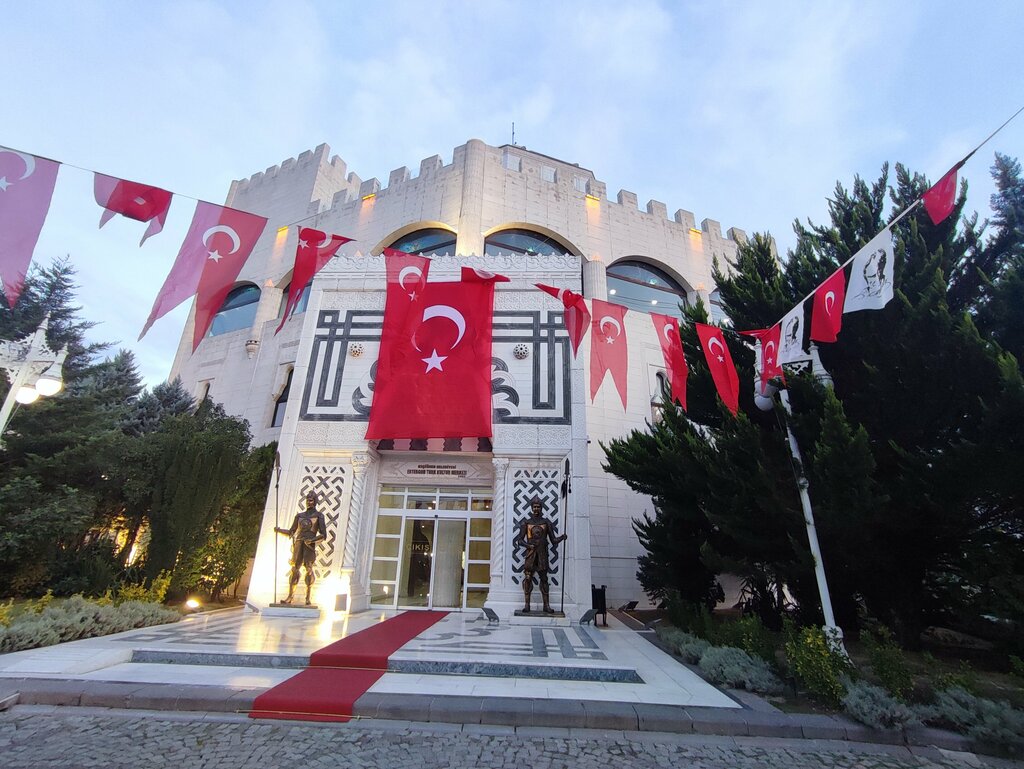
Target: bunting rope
{"type": "Point", "coordinates": [4, 147]}
{"type": "Point", "coordinates": [909, 208]}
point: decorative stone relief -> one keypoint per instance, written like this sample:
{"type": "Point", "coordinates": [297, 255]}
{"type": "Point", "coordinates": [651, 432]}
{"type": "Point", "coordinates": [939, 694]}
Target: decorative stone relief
{"type": "Point", "coordinates": [328, 482]}
{"type": "Point", "coordinates": [527, 484]}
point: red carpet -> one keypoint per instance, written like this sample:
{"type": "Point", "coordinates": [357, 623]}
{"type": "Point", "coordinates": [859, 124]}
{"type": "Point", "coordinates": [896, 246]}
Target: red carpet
{"type": "Point", "coordinates": [341, 673]}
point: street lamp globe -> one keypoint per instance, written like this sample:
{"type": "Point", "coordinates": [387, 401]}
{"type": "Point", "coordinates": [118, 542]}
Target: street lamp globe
{"type": "Point", "coordinates": [26, 395]}
{"type": "Point", "coordinates": [48, 384]}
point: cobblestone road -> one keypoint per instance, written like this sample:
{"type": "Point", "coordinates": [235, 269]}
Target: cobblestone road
{"type": "Point", "coordinates": [39, 737]}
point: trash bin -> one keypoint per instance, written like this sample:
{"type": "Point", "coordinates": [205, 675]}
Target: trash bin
{"type": "Point", "coordinates": [599, 603]}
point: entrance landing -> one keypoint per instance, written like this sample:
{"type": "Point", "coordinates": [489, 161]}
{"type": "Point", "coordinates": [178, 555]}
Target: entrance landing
{"type": "Point", "coordinates": [462, 654]}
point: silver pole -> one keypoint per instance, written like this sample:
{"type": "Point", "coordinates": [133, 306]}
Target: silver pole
{"type": "Point", "coordinates": [812, 534]}
{"type": "Point", "coordinates": [277, 518]}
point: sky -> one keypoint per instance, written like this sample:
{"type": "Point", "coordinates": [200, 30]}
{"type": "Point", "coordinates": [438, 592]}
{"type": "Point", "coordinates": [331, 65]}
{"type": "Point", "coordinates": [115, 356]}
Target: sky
{"type": "Point", "coordinates": [747, 113]}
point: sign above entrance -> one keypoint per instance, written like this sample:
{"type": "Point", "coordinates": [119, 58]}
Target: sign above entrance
{"type": "Point", "coordinates": [437, 471]}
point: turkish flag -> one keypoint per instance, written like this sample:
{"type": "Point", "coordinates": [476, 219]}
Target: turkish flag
{"type": "Point", "coordinates": [723, 372]}
{"type": "Point", "coordinates": [827, 310]}
{"type": "Point", "coordinates": [608, 347]}
{"type": "Point", "coordinates": [471, 274]}
{"type": "Point", "coordinates": [667, 329]}
{"type": "Point", "coordinates": [434, 369]}
{"type": "Point", "coordinates": [941, 197]}
{"type": "Point", "coordinates": [315, 249]}
{"type": "Point", "coordinates": [136, 201]}
{"type": "Point", "coordinates": [26, 187]}
{"type": "Point", "coordinates": [769, 366]}
{"type": "Point", "coordinates": [576, 316]}
{"type": "Point", "coordinates": [218, 242]}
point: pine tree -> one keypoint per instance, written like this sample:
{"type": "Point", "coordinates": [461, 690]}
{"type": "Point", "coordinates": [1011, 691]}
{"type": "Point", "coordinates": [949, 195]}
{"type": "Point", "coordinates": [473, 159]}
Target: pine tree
{"type": "Point", "coordinates": [912, 460]}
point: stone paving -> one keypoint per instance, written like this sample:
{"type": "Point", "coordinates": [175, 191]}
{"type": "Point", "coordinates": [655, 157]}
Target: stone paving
{"type": "Point", "coordinates": [46, 736]}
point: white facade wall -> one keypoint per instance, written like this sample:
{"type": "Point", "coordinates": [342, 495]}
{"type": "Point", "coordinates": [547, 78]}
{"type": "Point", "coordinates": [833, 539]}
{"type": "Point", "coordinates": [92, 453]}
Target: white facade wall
{"type": "Point", "coordinates": [473, 196]}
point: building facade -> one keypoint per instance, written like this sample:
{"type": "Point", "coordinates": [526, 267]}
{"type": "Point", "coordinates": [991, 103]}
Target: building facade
{"type": "Point", "coordinates": [433, 523]}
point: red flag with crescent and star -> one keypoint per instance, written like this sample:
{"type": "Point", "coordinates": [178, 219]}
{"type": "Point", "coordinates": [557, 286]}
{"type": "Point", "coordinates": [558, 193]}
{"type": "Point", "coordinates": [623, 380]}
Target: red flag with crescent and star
{"type": "Point", "coordinates": [576, 315]}
{"type": "Point", "coordinates": [406, 279]}
{"type": "Point", "coordinates": [723, 372]}
{"type": "Point", "coordinates": [608, 347]}
{"type": "Point", "coordinates": [140, 202]}
{"type": "Point", "coordinates": [827, 310]}
{"type": "Point", "coordinates": [471, 274]}
{"type": "Point", "coordinates": [218, 242]}
{"type": "Point", "coordinates": [434, 369]}
{"type": "Point", "coordinates": [667, 329]}
{"type": "Point", "coordinates": [940, 199]}
{"type": "Point", "coordinates": [769, 365]}
{"type": "Point", "coordinates": [26, 187]}
{"type": "Point", "coordinates": [314, 250]}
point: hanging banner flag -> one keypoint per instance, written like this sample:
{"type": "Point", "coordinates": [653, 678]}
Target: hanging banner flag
{"type": "Point", "coordinates": [871, 275]}
{"type": "Point", "coordinates": [437, 381]}
{"type": "Point", "coordinates": [218, 242]}
{"type": "Point", "coordinates": [576, 315]}
{"type": "Point", "coordinates": [26, 188]}
{"type": "Point", "coordinates": [723, 372]}
{"type": "Point", "coordinates": [314, 250]}
{"type": "Point", "coordinates": [133, 200]}
{"type": "Point", "coordinates": [940, 199]}
{"type": "Point", "coordinates": [667, 329]}
{"type": "Point", "coordinates": [608, 349]}
{"type": "Point", "coordinates": [472, 274]}
{"type": "Point", "coordinates": [768, 365]}
{"type": "Point", "coordinates": [792, 346]}
{"type": "Point", "coordinates": [406, 281]}
{"type": "Point", "coordinates": [827, 310]}
{"type": "Point", "coordinates": [407, 271]}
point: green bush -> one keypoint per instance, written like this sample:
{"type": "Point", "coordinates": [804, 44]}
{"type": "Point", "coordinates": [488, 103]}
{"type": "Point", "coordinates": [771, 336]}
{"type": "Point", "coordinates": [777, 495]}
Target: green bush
{"type": "Point", "coordinates": [963, 677]}
{"type": "Point", "coordinates": [873, 706]}
{"type": "Point", "coordinates": [816, 660]}
{"type": "Point", "coordinates": [888, 662]}
{"type": "Point", "coordinates": [747, 633]}
{"type": "Point", "coordinates": [994, 723]}
{"type": "Point", "coordinates": [77, 618]}
{"type": "Point", "coordinates": [686, 645]}
{"type": "Point", "coordinates": [734, 667]}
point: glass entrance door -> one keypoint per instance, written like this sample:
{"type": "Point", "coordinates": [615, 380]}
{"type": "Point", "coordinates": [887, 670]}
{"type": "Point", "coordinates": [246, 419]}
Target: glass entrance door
{"type": "Point", "coordinates": [449, 563]}
{"type": "Point", "coordinates": [432, 548]}
{"type": "Point", "coordinates": [417, 563]}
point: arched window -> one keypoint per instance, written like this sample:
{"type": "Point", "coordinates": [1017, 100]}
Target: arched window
{"type": "Point", "coordinates": [281, 403]}
{"type": "Point", "coordinates": [657, 403]}
{"type": "Point", "coordinates": [522, 242]}
{"type": "Point", "coordinates": [644, 288]}
{"type": "Point", "coordinates": [429, 242]}
{"type": "Point", "coordinates": [717, 313]}
{"type": "Point", "coordinates": [238, 310]}
{"type": "Point", "coordinates": [300, 305]}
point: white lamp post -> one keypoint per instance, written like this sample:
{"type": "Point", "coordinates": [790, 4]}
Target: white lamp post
{"type": "Point", "coordinates": [33, 370]}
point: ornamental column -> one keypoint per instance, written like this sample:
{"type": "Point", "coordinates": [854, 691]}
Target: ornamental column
{"type": "Point", "coordinates": [502, 596]}
{"type": "Point", "coordinates": [350, 581]}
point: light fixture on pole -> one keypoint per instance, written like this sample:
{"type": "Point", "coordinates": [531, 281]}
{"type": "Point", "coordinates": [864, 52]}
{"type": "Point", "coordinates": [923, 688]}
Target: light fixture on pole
{"type": "Point", "coordinates": [765, 401]}
{"type": "Point", "coordinates": [33, 369]}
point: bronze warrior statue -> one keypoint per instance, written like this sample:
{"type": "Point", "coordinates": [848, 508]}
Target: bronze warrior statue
{"type": "Point", "coordinates": [306, 530]}
{"type": "Point", "coordinates": [535, 533]}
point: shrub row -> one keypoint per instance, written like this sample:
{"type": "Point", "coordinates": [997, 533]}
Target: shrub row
{"type": "Point", "coordinates": [77, 618]}
{"type": "Point", "coordinates": [726, 665]}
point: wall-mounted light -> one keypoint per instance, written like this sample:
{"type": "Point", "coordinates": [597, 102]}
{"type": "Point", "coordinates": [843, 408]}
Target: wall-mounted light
{"type": "Point", "coordinates": [695, 231]}
{"type": "Point", "coordinates": [594, 198]}
{"type": "Point", "coordinates": [371, 195]}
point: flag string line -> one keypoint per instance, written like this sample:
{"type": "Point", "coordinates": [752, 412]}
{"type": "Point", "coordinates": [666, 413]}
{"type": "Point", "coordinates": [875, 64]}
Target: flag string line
{"type": "Point", "coordinates": [907, 210]}
{"type": "Point", "coordinates": [92, 171]}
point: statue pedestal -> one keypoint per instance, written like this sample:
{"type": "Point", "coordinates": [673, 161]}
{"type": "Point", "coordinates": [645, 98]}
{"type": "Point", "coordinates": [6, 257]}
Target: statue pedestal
{"type": "Point", "coordinates": [295, 611]}
{"type": "Point", "coordinates": [557, 619]}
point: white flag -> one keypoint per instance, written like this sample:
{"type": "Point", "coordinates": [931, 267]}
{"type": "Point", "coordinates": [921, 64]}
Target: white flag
{"type": "Point", "coordinates": [791, 345]}
{"type": "Point", "coordinates": [870, 286]}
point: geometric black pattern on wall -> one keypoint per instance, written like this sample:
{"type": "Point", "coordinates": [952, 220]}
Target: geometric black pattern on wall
{"type": "Point", "coordinates": [328, 483]}
{"type": "Point", "coordinates": [527, 484]}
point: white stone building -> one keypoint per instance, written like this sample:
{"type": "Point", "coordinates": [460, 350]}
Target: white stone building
{"type": "Point", "coordinates": [431, 524]}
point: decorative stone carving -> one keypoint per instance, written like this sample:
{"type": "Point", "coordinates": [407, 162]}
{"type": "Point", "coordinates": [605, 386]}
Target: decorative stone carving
{"type": "Point", "coordinates": [360, 462]}
{"type": "Point", "coordinates": [499, 533]}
